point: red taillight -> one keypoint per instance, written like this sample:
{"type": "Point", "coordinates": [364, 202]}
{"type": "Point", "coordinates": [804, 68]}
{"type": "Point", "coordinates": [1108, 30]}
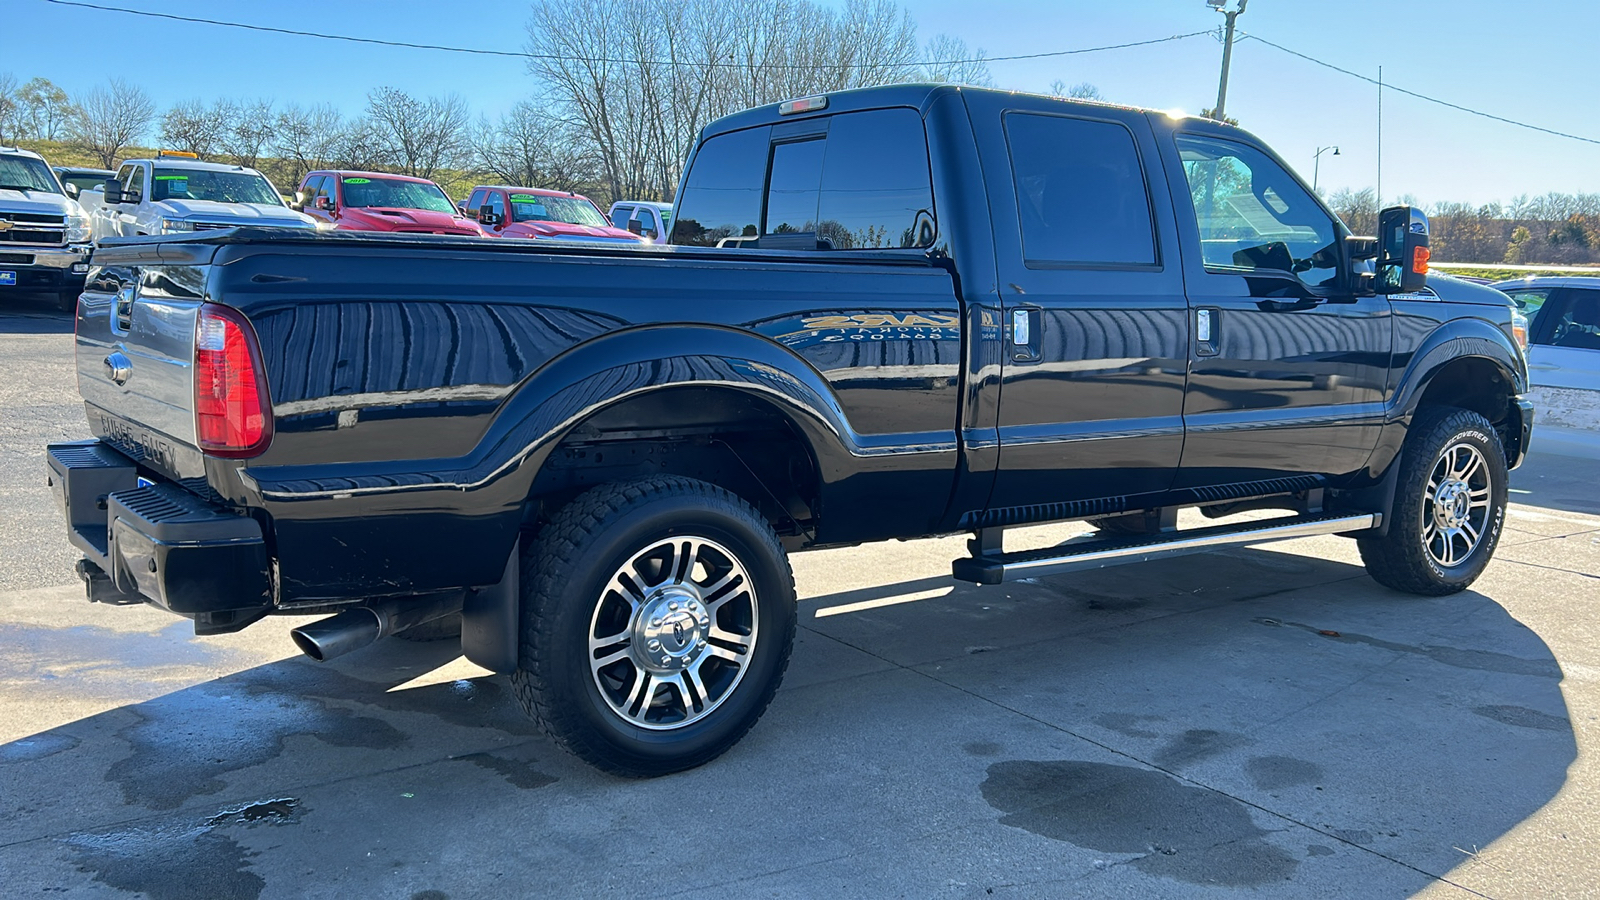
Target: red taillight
{"type": "Point", "coordinates": [232, 416]}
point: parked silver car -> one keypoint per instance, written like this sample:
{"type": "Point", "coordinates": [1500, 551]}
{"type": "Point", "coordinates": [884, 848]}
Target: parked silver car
{"type": "Point", "coordinates": [1563, 349]}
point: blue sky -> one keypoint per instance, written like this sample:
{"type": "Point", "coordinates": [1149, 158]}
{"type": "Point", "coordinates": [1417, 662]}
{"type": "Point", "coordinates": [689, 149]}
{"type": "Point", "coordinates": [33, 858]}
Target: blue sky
{"type": "Point", "coordinates": [1528, 61]}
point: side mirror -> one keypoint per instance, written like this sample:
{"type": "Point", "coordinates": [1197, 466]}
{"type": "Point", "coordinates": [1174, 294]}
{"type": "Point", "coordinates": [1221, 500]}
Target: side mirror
{"type": "Point", "coordinates": [299, 199]}
{"type": "Point", "coordinates": [636, 227]}
{"type": "Point", "coordinates": [324, 203]}
{"type": "Point", "coordinates": [113, 192]}
{"type": "Point", "coordinates": [462, 208]}
{"type": "Point", "coordinates": [1402, 250]}
{"type": "Point", "coordinates": [487, 215]}
{"type": "Point", "coordinates": [71, 189]}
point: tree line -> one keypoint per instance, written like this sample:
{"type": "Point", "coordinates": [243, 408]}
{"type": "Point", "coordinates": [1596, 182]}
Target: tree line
{"type": "Point", "coordinates": [1550, 229]}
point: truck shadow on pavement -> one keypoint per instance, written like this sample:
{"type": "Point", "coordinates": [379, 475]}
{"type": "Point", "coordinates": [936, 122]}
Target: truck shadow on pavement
{"type": "Point", "coordinates": [32, 314]}
{"type": "Point", "coordinates": [1252, 719]}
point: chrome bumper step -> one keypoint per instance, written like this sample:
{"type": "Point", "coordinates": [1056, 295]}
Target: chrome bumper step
{"type": "Point", "coordinates": [995, 567]}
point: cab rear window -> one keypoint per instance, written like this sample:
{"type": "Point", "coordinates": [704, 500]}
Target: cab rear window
{"type": "Point", "coordinates": [863, 183]}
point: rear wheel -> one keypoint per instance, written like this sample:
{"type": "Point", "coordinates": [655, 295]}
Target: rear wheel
{"type": "Point", "coordinates": [1448, 509]}
{"type": "Point", "coordinates": [658, 616]}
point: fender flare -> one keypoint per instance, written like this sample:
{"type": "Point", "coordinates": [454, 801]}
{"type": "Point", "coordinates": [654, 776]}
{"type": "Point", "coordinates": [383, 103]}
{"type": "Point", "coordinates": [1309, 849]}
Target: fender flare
{"type": "Point", "coordinates": [1451, 341]}
{"type": "Point", "coordinates": [1454, 340]}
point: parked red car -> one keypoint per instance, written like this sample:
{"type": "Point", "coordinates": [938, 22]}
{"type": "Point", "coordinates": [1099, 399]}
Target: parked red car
{"type": "Point", "coordinates": [521, 212]}
{"type": "Point", "coordinates": [374, 201]}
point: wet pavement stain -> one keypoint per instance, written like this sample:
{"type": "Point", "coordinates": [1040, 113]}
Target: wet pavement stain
{"type": "Point", "coordinates": [1523, 717]}
{"type": "Point", "coordinates": [1481, 660]}
{"type": "Point", "coordinates": [1173, 829]}
{"type": "Point", "coordinates": [1271, 773]}
{"type": "Point", "coordinates": [430, 895]}
{"type": "Point", "coordinates": [36, 747]}
{"type": "Point", "coordinates": [981, 748]}
{"type": "Point", "coordinates": [169, 863]}
{"type": "Point", "coordinates": [1196, 744]}
{"type": "Point", "coordinates": [1318, 850]}
{"type": "Point", "coordinates": [519, 773]}
{"type": "Point", "coordinates": [280, 811]}
{"type": "Point", "coordinates": [183, 742]}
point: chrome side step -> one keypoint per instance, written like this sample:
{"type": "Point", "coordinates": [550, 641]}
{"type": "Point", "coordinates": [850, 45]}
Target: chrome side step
{"type": "Point", "coordinates": [994, 567]}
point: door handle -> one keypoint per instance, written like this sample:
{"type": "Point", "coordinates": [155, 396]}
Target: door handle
{"type": "Point", "coordinates": [1026, 323]}
{"type": "Point", "coordinates": [1206, 323]}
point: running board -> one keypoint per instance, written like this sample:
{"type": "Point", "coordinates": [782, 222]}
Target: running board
{"type": "Point", "coordinates": [995, 567]}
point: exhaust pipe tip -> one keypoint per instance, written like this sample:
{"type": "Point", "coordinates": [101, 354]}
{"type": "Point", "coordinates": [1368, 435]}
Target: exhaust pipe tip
{"type": "Point", "coordinates": [337, 635]}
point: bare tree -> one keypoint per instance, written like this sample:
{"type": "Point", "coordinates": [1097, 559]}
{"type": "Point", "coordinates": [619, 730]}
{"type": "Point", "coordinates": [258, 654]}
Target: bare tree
{"type": "Point", "coordinates": [1083, 90]}
{"type": "Point", "coordinates": [8, 107]}
{"type": "Point", "coordinates": [306, 138]}
{"type": "Point", "coordinates": [948, 59]}
{"type": "Point", "coordinates": [419, 136]}
{"type": "Point", "coordinates": [44, 109]}
{"type": "Point", "coordinates": [247, 129]}
{"type": "Point", "coordinates": [193, 126]}
{"type": "Point", "coordinates": [110, 118]}
{"type": "Point", "coordinates": [531, 148]}
{"type": "Point", "coordinates": [639, 80]}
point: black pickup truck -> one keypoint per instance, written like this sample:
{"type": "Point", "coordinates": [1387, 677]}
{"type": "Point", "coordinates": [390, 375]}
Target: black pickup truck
{"type": "Point", "coordinates": [885, 313]}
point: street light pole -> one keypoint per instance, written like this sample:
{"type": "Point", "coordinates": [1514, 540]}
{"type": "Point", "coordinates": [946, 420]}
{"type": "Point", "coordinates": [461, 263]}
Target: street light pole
{"type": "Point", "coordinates": [1227, 53]}
{"type": "Point", "coordinates": [1316, 163]}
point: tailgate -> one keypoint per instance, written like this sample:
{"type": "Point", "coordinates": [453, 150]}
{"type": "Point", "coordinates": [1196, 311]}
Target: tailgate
{"type": "Point", "coordinates": [135, 345]}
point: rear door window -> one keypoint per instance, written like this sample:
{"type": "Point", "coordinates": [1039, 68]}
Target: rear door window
{"type": "Point", "coordinates": [1081, 193]}
{"type": "Point", "coordinates": [497, 204]}
{"type": "Point", "coordinates": [620, 216]}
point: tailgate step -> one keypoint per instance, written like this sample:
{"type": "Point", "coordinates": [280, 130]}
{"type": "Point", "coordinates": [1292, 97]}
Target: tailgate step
{"type": "Point", "coordinates": [994, 567]}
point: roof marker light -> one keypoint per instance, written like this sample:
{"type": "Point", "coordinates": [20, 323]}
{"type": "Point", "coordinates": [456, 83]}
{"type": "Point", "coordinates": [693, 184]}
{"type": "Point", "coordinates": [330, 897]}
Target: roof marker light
{"type": "Point", "coordinates": [804, 104]}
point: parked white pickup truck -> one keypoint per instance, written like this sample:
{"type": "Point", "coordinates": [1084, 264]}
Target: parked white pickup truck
{"type": "Point", "coordinates": [44, 234]}
{"type": "Point", "coordinates": [176, 193]}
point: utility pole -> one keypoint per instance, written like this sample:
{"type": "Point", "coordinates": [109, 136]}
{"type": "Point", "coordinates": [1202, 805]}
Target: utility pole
{"type": "Point", "coordinates": [1227, 52]}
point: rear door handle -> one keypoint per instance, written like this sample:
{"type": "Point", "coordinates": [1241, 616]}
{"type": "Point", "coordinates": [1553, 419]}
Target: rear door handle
{"type": "Point", "coordinates": [1206, 323]}
{"type": "Point", "coordinates": [1026, 323]}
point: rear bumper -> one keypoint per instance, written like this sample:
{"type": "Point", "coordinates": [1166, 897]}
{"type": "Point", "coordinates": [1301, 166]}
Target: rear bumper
{"type": "Point", "coordinates": [159, 542]}
{"type": "Point", "coordinates": [43, 268]}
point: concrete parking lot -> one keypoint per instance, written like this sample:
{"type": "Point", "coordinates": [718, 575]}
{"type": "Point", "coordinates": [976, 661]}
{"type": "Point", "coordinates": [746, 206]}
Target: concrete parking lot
{"type": "Point", "coordinates": [1265, 721]}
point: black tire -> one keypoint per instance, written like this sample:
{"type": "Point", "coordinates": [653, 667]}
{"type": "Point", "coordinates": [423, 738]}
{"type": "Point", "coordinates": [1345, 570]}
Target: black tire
{"type": "Point", "coordinates": [567, 574]}
{"type": "Point", "coordinates": [439, 629]}
{"type": "Point", "coordinates": [68, 302]}
{"type": "Point", "coordinates": [1408, 558]}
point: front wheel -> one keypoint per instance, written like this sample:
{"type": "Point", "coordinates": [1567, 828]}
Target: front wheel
{"type": "Point", "coordinates": [68, 301]}
{"type": "Point", "coordinates": [657, 620]}
{"type": "Point", "coordinates": [1449, 506]}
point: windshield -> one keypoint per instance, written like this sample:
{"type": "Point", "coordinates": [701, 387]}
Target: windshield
{"type": "Point", "coordinates": [222, 187]}
{"type": "Point", "coordinates": [24, 173]}
{"type": "Point", "coordinates": [572, 210]}
{"type": "Point", "coordinates": [395, 194]}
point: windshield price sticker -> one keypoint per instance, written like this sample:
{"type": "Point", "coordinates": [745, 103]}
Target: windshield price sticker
{"type": "Point", "coordinates": [358, 181]}
{"type": "Point", "coordinates": [524, 198]}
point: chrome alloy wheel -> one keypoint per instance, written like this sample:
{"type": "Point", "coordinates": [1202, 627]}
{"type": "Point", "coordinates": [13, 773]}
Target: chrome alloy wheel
{"type": "Point", "coordinates": [672, 632]}
{"type": "Point", "coordinates": [1455, 509]}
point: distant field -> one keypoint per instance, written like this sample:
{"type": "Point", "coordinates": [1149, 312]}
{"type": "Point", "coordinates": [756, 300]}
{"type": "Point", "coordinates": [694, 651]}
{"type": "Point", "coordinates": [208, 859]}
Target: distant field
{"type": "Point", "coordinates": [1501, 273]}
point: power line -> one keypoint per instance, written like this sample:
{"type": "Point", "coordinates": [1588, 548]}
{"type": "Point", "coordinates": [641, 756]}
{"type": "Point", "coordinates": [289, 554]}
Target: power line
{"type": "Point", "coordinates": [479, 51]}
{"type": "Point", "coordinates": [1387, 86]}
